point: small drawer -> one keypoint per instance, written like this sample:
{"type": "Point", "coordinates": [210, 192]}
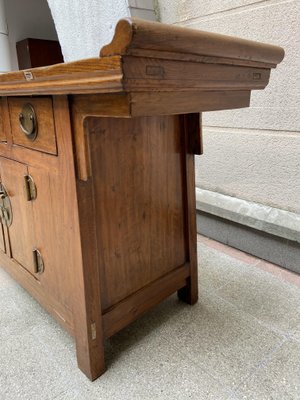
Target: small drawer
{"type": "Point", "coordinates": [32, 123]}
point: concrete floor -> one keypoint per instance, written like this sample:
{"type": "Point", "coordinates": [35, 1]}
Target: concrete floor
{"type": "Point", "coordinates": [241, 341]}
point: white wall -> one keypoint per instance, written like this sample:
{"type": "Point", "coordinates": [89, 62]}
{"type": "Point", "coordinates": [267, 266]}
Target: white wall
{"type": "Point", "coordinates": [253, 153]}
{"type": "Point", "coordinates": [84, 27]}
{"type": "Point", "coordinates": [28, 19]}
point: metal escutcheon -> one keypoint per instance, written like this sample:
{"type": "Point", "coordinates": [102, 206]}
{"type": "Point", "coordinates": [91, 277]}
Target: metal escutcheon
{"type": "Point", "coordinates": [30, 188]}
{"type": "Point", "coordinates": [38, 262]}
{"type": "Point", "coordinates": [6, 214]}
{"type": "Point", "coordinates": [28, 121]}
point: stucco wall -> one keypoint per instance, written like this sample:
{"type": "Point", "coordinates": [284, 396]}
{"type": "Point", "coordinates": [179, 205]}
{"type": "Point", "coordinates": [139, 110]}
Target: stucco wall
{"type": "Point", "coordinates": [253, 153]}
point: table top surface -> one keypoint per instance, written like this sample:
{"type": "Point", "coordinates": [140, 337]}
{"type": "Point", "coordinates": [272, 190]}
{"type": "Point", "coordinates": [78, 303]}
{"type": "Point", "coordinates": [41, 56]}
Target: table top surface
{"type": "Point", "coordinates": [164, 45]}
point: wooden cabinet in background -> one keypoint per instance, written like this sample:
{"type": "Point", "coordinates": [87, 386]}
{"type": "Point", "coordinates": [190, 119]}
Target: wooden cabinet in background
{"type": "Point", "coordinates": [33, 53]}
{"type": "Point", "coordinates": [97, 172]}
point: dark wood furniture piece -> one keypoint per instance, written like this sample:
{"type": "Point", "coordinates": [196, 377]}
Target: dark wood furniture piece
{"type": "Point", "coordinates": [97, 172]}
{"type": "Point", "coordinates": [38, 53]}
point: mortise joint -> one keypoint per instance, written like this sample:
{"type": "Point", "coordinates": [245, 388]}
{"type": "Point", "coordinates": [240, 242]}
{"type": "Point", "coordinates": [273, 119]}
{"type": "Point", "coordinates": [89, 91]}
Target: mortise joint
{"type": "Point", "coordinates": [153, 70]}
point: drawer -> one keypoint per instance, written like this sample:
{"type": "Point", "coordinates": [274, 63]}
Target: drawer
{"type": "Point", "coordinates": [32, 123]}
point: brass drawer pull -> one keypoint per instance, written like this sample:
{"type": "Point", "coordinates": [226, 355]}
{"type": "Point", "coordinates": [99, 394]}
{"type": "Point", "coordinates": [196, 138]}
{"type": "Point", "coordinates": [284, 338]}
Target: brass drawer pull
{"type": "Point", "coordinates": [30, 188]}
{"type": "Point", "coordinates": [38, 262]}
{"type": "Point", "coordinates": [28, 121]}
{"type": "Point", "coordinates": [6, 214]}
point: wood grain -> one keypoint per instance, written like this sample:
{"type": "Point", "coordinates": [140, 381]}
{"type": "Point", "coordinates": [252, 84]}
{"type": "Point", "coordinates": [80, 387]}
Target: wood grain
{"type": "Point", "coordinates": [91, 75]}
{"type": "Point", "coordinates": [153, 74]}
{"type": "Point", "coordinates": [81, 279]}
{"type": "Point", "coordinates": [84, 106]}
{"type": "Point", "coordinates": [6, 124]}
{"type": "Point", "coordinates": [140, 219]}
{"type": "Point", "coordinates": [129, 309]}
{"type": "Point", "coordinates": [115, 217]}
{"type": "Point", "coordinates": [21, 236]}
{"type": "Point", "coordinates": [135, 33]}
{"type": "Point", "coordinates": [46, 139]}
{"type": "Point", "coordinates": [166, 103]}
{"type": "Point", "coordinates": [186, 58]}
{"type": "Point", "coordinates": [46, 223]}
{"type": "Point", "coordinates": [169, 55]}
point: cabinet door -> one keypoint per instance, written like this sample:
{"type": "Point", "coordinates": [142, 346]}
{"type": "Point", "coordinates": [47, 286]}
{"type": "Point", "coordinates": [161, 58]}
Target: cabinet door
{"type": "Point", "coordinates": [51, 230]}
{"type": "Point", "coordinates": [43, 220]}
{"type": "Point", "coordinates": [21, 230]}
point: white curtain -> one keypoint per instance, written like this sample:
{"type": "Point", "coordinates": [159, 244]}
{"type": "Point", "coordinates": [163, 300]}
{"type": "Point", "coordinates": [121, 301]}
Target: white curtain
{"type": "Point", "coordinates": [83, 27]}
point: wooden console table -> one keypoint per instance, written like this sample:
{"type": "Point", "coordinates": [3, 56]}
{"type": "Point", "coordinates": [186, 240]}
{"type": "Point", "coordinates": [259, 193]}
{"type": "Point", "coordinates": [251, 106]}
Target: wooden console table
{"type": "Point", "coordinates": [97, 172]}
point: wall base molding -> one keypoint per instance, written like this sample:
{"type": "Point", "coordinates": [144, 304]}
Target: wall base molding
{"type": "Point", "coordinates": [266, 232]}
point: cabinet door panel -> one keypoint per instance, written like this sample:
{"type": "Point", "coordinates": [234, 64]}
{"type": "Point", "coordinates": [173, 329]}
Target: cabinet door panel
{"type": "Point", "coordinates": [43, 220]}
{"type": "Point", "coordinates": [20, 232]}
{"type": "Point", "coordinates": [52, 231]}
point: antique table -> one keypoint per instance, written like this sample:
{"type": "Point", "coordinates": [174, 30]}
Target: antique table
{"type": "Point", "coordinates": [97, 172]}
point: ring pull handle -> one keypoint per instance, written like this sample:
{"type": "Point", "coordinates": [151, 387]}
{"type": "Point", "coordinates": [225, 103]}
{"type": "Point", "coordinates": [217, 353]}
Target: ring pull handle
{"type": "Point", "coordinates": [6, 214]}
{"type": "Point", "coordinates": [38, 261]}
{"type": "Point", "coordinates": [28, 121]}
{"type": "Point", "coordinates": [30, 188]}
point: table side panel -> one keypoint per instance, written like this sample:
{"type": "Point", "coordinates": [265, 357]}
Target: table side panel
{"type": "Point", "coordinates": [137, 176]}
